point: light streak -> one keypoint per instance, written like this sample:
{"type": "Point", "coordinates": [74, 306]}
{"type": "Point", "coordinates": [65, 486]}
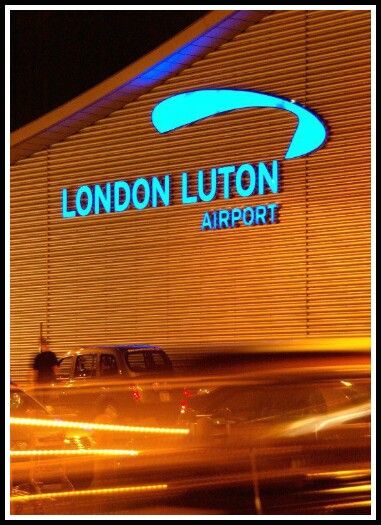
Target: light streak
{"type": "Point", "coordinates": [345, 415]}
{"type": "Point", "coordinates": [340, 474]}
{"type": "Point", "coordinates": [350, 504]}
{"type": "Point", "coordinates": [96, 426]}
{"type": "Point", "coordinates": [74, 452]}
{"type": "Point", "coordinates": [318, 423]}
{"type": "Point", "coordinates": [90, 492]}
{"type": "Point", "coordinates": [347, 490]}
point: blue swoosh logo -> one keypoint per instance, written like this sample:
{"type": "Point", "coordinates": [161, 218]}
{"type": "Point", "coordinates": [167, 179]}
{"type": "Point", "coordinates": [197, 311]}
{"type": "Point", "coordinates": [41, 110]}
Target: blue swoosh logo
{"type": "Point", "coordinates": [186, 108]}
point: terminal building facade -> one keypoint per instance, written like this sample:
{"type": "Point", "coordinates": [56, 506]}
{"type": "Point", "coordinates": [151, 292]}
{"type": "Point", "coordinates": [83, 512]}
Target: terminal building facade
{"type": "Point", "coordinates": [207, 232]}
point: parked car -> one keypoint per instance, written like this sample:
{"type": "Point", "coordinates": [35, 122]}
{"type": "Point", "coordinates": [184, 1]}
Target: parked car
{"type": "Point", "coordinates": [116, 383]}
{"type": "Point", "coordinates": [305, 433]}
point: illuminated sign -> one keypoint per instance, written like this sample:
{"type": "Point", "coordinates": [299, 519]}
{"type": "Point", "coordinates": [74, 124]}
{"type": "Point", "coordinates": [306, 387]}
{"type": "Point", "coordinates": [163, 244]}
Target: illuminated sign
{"type": "Point", "coordinates": [186, 108]}
{"type": "Point", "coordinates": [223, 182]}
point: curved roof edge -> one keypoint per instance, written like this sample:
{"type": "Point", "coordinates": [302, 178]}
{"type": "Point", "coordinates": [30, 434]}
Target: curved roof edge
{"type": "Point", "coordinates": [139, 77]}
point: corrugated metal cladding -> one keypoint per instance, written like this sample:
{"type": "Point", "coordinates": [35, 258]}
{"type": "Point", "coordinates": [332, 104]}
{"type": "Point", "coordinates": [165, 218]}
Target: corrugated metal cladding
{"type": "Point", "coordinates": [152, 276]}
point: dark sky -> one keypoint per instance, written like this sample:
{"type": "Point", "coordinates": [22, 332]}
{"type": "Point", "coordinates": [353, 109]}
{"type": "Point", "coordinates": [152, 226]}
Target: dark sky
{"type": "Point", "coordinates": [57, 55]}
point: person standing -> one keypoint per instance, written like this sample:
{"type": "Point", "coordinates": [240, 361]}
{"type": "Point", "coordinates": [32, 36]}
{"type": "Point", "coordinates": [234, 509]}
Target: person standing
{"type": "Point", "coordinates": [45, 364]}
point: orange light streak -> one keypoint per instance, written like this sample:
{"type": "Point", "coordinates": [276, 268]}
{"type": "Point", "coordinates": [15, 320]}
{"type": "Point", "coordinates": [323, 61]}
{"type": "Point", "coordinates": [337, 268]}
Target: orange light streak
{"type": "Point", "coordinates": [74, 452]}
{"type": "Point", "coordinates": [347, 490]}
{"type": "Point", "coordinates": [96, 426]}
{"type": "Point", "coordinates": [90, 492]}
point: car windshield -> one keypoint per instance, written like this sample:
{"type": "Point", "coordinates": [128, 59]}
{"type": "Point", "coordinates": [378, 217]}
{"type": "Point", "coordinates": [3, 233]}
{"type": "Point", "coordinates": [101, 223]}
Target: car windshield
{"type": "Point", "coordinates": [147, 361]}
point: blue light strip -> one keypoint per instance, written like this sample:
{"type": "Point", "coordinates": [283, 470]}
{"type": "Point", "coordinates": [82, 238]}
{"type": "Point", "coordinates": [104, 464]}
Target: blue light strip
{"type": "Point", "coordinates": [187, 108]}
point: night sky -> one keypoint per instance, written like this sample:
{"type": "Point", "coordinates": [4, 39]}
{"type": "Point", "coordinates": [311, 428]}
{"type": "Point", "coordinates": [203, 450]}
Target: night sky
{"type": "Point", "coordinates": [57, 55]}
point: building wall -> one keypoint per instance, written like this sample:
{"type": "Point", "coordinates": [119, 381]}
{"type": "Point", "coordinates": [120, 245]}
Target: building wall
{"type": "Point", "coordinates": [152, 276]}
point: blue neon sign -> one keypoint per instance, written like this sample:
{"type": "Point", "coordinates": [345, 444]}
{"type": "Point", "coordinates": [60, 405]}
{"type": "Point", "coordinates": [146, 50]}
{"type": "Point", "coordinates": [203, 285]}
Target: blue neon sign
{"type": "Point", "coordinates": [187, 108]}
